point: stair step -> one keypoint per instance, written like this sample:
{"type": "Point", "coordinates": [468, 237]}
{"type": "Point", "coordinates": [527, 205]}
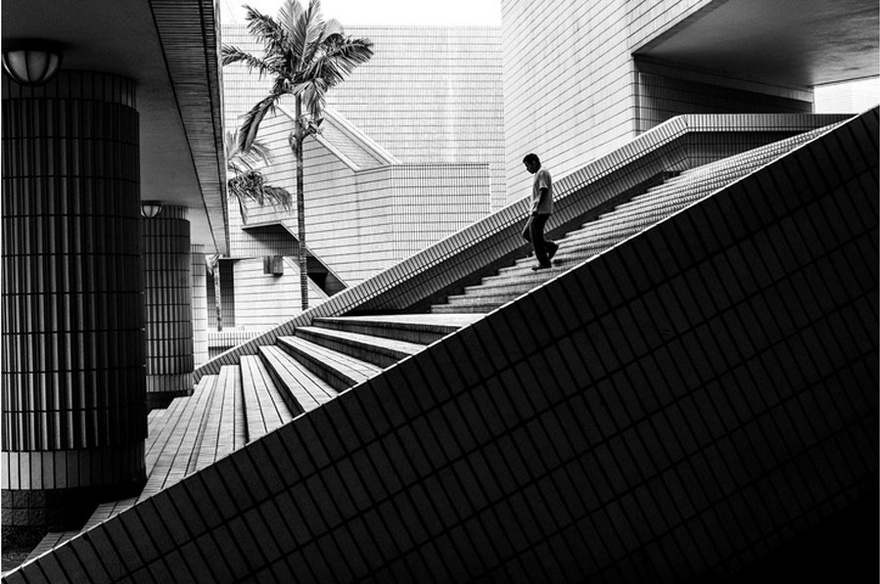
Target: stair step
{"type": "Point", "coordinates": [264, 406]}
{"type": "Point", "coordinates": [171, 453]}
{"type": "Point", "coordinates": [413, 328]}
{"type": "Point", "coordinates": [160, 426]}
{"type": "Point", "coordinates": [594, 237]}
{"type": "Point", "coordinates": [567, 257]}
{"type": "Point", "coordinates": [194, 432]}
{"type": "Point", "coordinates": [700, 180]}
{"type": "Point", "coordinates": [304, 388]}
{"type": "Point", "coordinates": [174, 450]}
{"type": "Point", "coordinates": [379, 351]}
{"type": "Point", "coordinates": [498, 295]}
{"type": "Point", "coordinates": [339, 370]}
{"type": "Point", "coordinates": [661, 206]}
{"type": "Point", "coordinates": [223, 430]}
{"type": "Point", "coordinates": [476, 309]}
{"type": "Point", "coordinates": [514, 283]}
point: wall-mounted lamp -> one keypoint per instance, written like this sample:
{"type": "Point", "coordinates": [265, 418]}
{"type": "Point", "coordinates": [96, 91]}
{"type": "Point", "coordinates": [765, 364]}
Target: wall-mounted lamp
{"type": "Point", "coordinates": [150, 209]}
{"type": "Point", "coordinates": [31, 62]}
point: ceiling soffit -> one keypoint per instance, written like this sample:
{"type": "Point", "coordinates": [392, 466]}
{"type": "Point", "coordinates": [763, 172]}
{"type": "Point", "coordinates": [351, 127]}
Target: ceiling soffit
{"type": "Point", "coordinates": [800, 43]}
{"type": "Point", "coordinates": [188, 34]}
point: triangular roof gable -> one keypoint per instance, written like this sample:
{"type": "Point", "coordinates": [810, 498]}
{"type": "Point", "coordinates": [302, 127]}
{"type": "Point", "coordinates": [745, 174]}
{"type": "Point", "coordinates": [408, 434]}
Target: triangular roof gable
{"type": "Point", "coordinates": [348, 143]}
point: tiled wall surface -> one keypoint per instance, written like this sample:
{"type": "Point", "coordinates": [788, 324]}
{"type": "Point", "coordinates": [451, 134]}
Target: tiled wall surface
{"type": "Point", "coordinates": [344, 211]}
{"type": "Point", "coordinates": [221, 341]}
{"type": "Point", "coordinates": [428, 95]}
{"type": "Point", "coordinates": [431, 201]}
{"type": "Point", "coordinates": [674, 409]}
{"type": "Point", "coordinates": [664, 91]}
{"type": "Point", "coordinates": [167, 263]}
{"type": "Point", "coordinates": [443, 144]}
{"type": "Point", "coordinates": [853, 97]}
{"type": "Point", "coordinates": [432, 95]}
{"type": "Point", "coordinates": [72, 304]}
{"type": "Point", "coordinates": [264, 300]}
{"type": "Point", "coordinates": [360, 222]}
{"type": "Point", "coordinates": [199, 285]}
{"type": "Point", "coordinates": [571, 87]}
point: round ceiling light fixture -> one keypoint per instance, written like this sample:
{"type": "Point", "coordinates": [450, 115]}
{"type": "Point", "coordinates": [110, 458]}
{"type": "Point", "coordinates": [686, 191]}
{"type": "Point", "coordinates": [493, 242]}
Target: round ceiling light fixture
{"type": "Point", "coordinates": [31, 62]}
{"type": "Point", "coordinates": [149, 209]}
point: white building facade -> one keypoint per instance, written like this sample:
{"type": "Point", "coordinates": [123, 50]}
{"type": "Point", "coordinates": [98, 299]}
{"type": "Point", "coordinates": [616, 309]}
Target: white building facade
{"type": "Point", "coordinates": [411, 151]}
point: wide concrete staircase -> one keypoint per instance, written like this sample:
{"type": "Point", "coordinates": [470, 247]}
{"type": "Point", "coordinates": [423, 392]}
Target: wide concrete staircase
{"type": "Point", "coordinates": [244, 402]}
{"type": "Point", "coordinates": [626, 219]}
{"type": "Point", "coordinates": [299, 372]}
{"type": "Point", "coordinates": [250, 395]}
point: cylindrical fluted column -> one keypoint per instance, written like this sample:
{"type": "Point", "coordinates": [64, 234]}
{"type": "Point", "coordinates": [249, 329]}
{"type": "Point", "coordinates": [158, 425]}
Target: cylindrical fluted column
{"type": "Point", "coordinates": [199, 305]}
{"type": "Point", "coordinates": [72, 328]}
{"type": "Point", "coordinates": [168, 301]}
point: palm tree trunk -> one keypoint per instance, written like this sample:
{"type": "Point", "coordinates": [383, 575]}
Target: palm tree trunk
{"type": "Point", "coordinates": [218, 302]}
{"type": "Point", "coordinates": [301, 208]}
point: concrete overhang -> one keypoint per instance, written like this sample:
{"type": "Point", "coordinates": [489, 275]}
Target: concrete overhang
{"type": "Point", "coordinates": [170, 48]}
{"type": "Point", "coordinates": [793, 42]}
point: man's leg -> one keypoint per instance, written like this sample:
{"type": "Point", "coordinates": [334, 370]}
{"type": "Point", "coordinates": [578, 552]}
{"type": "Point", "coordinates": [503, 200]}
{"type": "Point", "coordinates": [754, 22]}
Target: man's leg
{"type": "Point", "coordinates": [537, 233]}
{"type": "Point", "coordinates": [527, 230]}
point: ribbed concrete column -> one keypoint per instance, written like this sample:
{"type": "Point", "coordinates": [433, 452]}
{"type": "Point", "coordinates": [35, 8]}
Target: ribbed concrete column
{"type": "Point", "coordinates": [199, 305]}
{"type": "Point", "coordinates": [168, 301]}
{"type": "Point", "coordinates": [74, 420]}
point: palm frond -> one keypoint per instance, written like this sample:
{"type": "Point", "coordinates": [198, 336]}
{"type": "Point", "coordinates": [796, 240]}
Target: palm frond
{"type": "Point", "coordinates": [288, 15]}
{"type": "Point", "coordinates": [306, 35]}
{"type": "Point", "coordinates": [340, 58]}
{"type": "Point", "coordinates": [211, 262]}
{"type": "Point", "coordinates": [247, 132]}
{"type": "Point", "coordinates": [231, 54]}
{"type": "Point", "coordinates": [239, 161]}
{"type": "Point", "coordinates": [332, 27]}
{"type": "Point", "coordinates": [326, 33]}
{"type": "Point", "coordinates": [259, 153]}
{"type": "Point", "coordinates": [266, 30]}
{"type": "Point", "coordinates": [229, 142]}
{"type": "Point", "coordinates": [235, 165]}
{"type": "Point", "coordinates": [277, 196]}
{"type": "Point", "coordinates": [251, 186]}
{"type": "Point", "coordinates": [313, 94]}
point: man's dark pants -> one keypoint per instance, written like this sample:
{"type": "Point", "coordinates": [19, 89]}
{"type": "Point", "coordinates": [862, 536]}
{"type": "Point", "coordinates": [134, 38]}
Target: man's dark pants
{"type": "Point", "coordinates": [536, 234]}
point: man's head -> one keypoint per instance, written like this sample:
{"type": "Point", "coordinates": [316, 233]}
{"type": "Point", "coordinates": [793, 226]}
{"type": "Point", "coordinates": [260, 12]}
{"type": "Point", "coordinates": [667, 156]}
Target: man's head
{"type": "Point", "coordinates": [532, 162]}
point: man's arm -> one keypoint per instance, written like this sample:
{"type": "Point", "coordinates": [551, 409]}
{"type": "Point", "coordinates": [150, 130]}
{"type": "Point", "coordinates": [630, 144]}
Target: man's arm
{"type": "Point", "coordinates": [543, 181]}
{"type": "Point", "coordinates": [542, 195]}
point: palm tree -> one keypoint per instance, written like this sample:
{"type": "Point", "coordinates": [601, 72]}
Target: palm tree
{"type": "Point", "coordinates": [212, 264]}
{"type": "Point", "coordinates": [245, 182]}
{"type": "Point", "coordinates": [305, 56]}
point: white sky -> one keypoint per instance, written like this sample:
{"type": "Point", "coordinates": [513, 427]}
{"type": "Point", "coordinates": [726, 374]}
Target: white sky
{"type": "Point", "coordinates": [397, 12]}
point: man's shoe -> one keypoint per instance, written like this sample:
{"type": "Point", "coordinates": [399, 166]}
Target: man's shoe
{"type": "Point", "coordinates": [553, 250]}
{"type": "Point", "coordinates": [540, 267]}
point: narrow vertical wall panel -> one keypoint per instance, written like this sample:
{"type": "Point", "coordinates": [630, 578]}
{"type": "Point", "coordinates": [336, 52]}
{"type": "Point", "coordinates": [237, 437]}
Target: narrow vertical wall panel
{"type": "Point", "coordinates": [199, 286]}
